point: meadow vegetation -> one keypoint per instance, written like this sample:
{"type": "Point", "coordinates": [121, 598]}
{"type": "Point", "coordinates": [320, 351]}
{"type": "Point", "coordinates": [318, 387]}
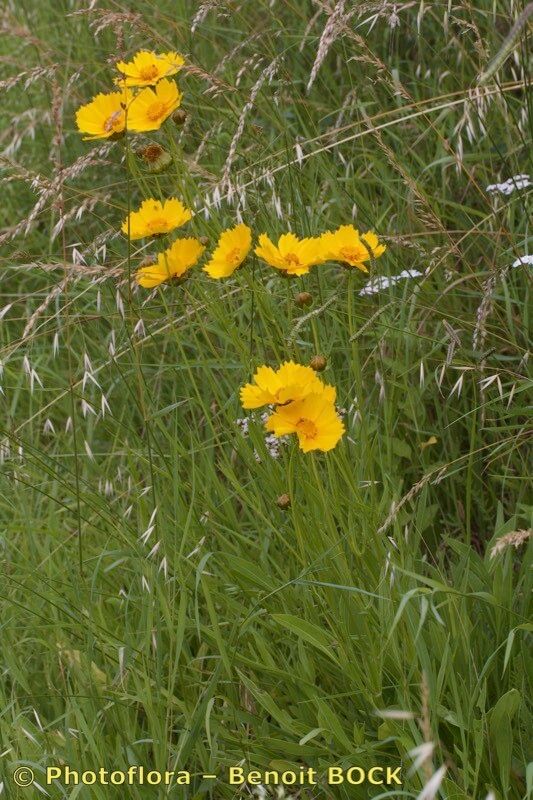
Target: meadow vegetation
{"type": "Point", "coordinates": [181, 588]}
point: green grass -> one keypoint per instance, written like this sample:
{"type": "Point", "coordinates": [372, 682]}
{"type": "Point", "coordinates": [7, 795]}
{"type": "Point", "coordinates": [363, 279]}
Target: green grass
{"type": "Point", "coordinates": [235, 630]}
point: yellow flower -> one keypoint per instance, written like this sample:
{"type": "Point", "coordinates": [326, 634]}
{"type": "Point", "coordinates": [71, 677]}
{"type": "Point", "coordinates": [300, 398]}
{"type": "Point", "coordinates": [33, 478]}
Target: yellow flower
{"type": "Point", "coordinates": [151, 107]}
{"type": "Point", "coordinates": [292, 255]}
{"type": "Point", "coordinates": [233, 246]}
{"type": "Point", "coordinates": [290, 382]}
{"type": "Point", "coordinates": [154, 217]}
{"type": "Point", "coordinates": [371, 239]}
{"type": "Point", "coordinates": [347, 245]}
{"type": "Point", "coordinates": [146, 68]}
{"type": "Point", "coordinates": [104, 116]}
{"type": "Point", "coordinates": [313, 419]}
{"type": "Point", "coordinates": [173, 263]}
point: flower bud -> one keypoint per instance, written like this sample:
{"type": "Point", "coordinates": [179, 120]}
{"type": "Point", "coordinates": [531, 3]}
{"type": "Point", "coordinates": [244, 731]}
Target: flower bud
{"type": "Point", "coordinates": [303, 299]}
{"type": "Point", "coordinates": [283, 501]}
{"type": "Point", "coordinates": [179, 116]}
{"type": "Point", "coordinates": [318, 363]}
{"type": "Point", "coordinates": [203, 240]}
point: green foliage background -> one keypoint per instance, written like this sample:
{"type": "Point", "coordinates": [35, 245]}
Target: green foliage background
{"type": "Point", "coordinates": [157, 607]}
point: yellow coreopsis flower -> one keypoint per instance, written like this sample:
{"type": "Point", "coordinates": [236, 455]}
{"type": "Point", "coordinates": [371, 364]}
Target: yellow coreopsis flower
{"type": "Point", "coordinates": [172, 263]}
{"type": "Point", "coordinates": [104, 116]}
{"type": "Point", "coordinates": [313, 419]}
{"type": "Point", "coordinates": [146, 68]}
{"type": "Point", "coordinates": [151, 107]}
{"type": "Point", "coordinates": [233, 246]}
{"type": "Point", "coordinates": [291, 255]}
{"type": "Point", "coordinates": [289, 382]}
{"type": "Point", "coordinates": [154, 217]}
{"type": "Point", "coordinates": [346, 244]}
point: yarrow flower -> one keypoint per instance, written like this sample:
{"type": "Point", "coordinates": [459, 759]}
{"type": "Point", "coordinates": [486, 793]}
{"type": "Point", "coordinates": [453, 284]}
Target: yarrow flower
{"type": "Point", "coordinates": [104, 116]}
{"type": "Point", "coordinates": [151, 107]}
{"type": "Point", "coordinates": [291, 255]}
{"type": "Point", "coordinates": [289, 382]}
{"type": "Point", "coordinates": [313, 419]}
{"type": "Point", "coordinates": [384, 281]}
{"type": "Point", "coordinates": [347, 245]}
{"type": "Point", "coordinates": [172, 263]}
{"type": "Point", "coordinates": [525, 259]}
{"type": "Point", "coordinates": [517, 182]}
{"type": "Point", "coordinates": [232, 248]}
{"type": "Point", "coordinates": [154, 217]}
{"type": "Point", "coordinates": [147, 68]}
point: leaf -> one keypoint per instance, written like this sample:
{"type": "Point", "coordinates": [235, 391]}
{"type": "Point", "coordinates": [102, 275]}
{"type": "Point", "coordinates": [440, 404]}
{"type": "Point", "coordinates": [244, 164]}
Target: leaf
{"type": "Point", "coordinates": [283, 718]}
{"type": "Point", "coordinates": [310, 735]}
{"type": "Point", "coordinates": [245, 569]}
{"type": "Point", "coordinates": [329, 720]}
{"type": "Point", "coordinates": [510, 640]}
{"type": "Point", "coordinates": [501, 731]}
{"type": "Point", "coordinates": [307, 631]}
{"type": "Point", "coordinates": [401, 448]}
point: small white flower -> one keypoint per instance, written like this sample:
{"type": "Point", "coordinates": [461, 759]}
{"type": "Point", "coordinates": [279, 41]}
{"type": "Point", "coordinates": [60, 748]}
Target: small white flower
{"type": "Point", "coordinates": [520, 262]}
{"type": "Point", "coordinates": [510, 185]}
{"type": "Point", "coordinates": [384, 281]}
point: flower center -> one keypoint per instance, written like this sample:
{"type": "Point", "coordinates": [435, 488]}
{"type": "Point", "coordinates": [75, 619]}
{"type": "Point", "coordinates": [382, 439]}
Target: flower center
{"type": "Point", "coordinates": [155, 111]}
{"type": "Point", "coordinates": [234, 256]}
{"type": "Point", "coordinates": [351, 254]}
{"type": "Point", "coordinates": [150, 72]}
{"type": "Point", "coordinates": [307, 427]}
{"type": "Point", "coordinates": [292, 260]}
{"type": "Point", "coordinates": [114, 122]}
{"type": "Point", "coordinates": [157, 224]}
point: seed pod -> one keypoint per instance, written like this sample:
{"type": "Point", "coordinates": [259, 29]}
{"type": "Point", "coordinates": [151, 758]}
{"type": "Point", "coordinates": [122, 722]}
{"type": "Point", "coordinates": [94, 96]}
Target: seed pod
{"type": "Point", "coordinates": [179, 116]}
{"type": "Point", "coordinates": [283, 501]}
{"type": "Point", "coordinates": [303, 299]}
{"type": "Point", "coordinates": [318, 363]}
{"type": "Point", "coordinates": [156, 159]}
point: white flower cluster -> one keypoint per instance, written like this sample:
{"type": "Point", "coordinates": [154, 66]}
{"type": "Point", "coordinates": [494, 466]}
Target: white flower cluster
{"type": "Point", "coordinates": [384, 281]}
{"type": "Point", "coordinates": [273, 443]}
{"type": "Point", "coordinates": [510, 185]}
{"type": "Point", "coordinates": [522, 261]}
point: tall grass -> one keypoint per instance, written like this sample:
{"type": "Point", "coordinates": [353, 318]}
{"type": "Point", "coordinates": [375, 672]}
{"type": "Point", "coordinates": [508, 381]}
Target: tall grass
{"type": "Point", "coordinates": [158, 606]}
